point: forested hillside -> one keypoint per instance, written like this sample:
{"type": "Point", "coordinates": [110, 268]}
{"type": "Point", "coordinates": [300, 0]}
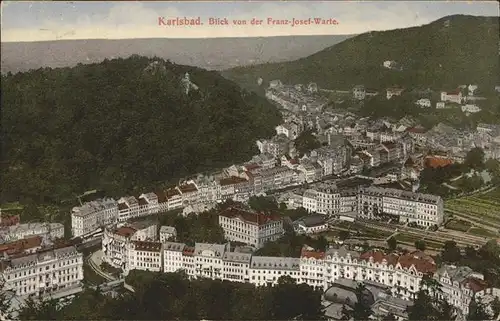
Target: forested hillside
{"type": "Point", "coordinates": [450, 51]}
{"type": "Point", "coordinates": [122, 127]}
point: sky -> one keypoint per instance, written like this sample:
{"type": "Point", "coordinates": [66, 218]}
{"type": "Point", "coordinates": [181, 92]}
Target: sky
{"type": "Point", "coordinates": [44, 21]}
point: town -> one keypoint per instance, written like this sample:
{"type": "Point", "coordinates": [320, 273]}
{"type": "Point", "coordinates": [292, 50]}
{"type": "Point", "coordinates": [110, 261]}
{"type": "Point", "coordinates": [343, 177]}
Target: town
{"type": "Point", "coordinates": [345, 172]}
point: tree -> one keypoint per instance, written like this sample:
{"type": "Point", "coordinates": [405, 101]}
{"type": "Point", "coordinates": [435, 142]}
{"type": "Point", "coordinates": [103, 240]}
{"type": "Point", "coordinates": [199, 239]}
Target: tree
{"type": "Point", "coordinates": [477, 311]}
{"type": "Point", "coordinates": [428, 304]}
{"type": "Point", "coordinates": [37, 309]}
{"type": "Point", "coordinates": [361, 310]}
{"type": "Point", "coordinates": [343, 235]}
{"type": "Point", "coordinates": [475, 158]}
{"type": "Point", "coordinates": [389, 317]}
{"type": "Point", "coordinates": [4, 302]}
{"type": "Point", "coordinates": [262, 203]}
{"type": "Point", "coordinates": [451, 252]}
{"type": "Point", "coordinates": [392, 243]}
{"type": "Point", "coordinates": [420, 245]}
{"type": "Point", "coordinates": [306, 142]}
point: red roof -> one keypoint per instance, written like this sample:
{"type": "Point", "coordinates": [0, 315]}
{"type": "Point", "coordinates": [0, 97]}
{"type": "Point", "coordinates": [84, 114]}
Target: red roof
{"type": "Point", "coordinates": [474, 284]}
{"type": "Point", "coordinates": [435, 162]}
{"type": "Point", "coordinates": [189, 251]}
{"type": "Point", "coordinates": [9, 220]}
{"type": "Point", "coordinates": [416, 130]}
{"type": "Point", "coordinates": [422, 263]}
{"type": "Point", "coordinates": [19, 246]}
{"type": "Point", "coordinates": [293, 161]}
{"type": "Point", "coordinates": [456, 92]}
{"type": "Point", "coordinates": [251, 167]}
{"type": "Point", "coordinates": [125, 231]}
{"type": "Point", "coordinates": [318, 255]}
{"type": "Point", "coordinates": [249, 217]}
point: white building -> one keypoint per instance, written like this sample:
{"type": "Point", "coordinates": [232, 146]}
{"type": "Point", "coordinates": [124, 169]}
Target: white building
{"type": "Point", "coordinates": [359, 92]}
{"type": "Point", "coordinates": [128, 207]}
{"type": "Point", "coordinates": [251, 228]}
{"type": "Point", "coordinates": [148, 204]}
{"type": "Point", "coordinates": [424, 209]}
{"type": "Point", "coordinates": [236, 266]}
{"type": "Point", "coordinates": [55, 272]}
{"type": "Point", "coordinates": [424, 102]}
{"type": "Point", "coordinates": [144, 256]}
{"type": "Point", "coordinates": [470, 108]}
{"type": "Point", "coordinates": [401, 273]}
{"type": "Point", "coordinates": [311, 224]}
{"type": "Point", "coordinates": [407, 207]}
{"type": "Point", "coordinates": [22, 231]}
{"type": "Point", "coordinates": [172, 256]}
{"type": "Point", "coordinates": [92, 215]}
{"type": "Point", "coordinates": [454, 96]}
{"type": "Point", "coordinates": [116, 242]}
{"type": "Point", "coordinates": [167, 233]}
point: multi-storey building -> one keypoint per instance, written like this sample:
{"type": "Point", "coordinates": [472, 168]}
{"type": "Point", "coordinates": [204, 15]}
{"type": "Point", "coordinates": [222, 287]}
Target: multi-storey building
{"type": "Point", "coordinates": [128, 207]}
{"type": "Point", "coordinates": [401, 273]}
{"type": "Point", "coordinates": [173, 256]}
{"type": "Point", "coordinates": [235, 266]}
{"type": "Point", "coordinates": [373, 202]}
{"type": "Point", "coordinates": [167, 233]}
{"type": "Point", "coordinates": [116, 242]}
{"type": "Point", "coordinates": [145, 256]}
{"type": "Point", "coordinates": [406, 207]}
{"type": "Point", "coordinates": [21, 231]}
{"type": "Point", "coordinates": [251, 228]}
{"type": "Point", "coordinates": [208, 259]}
{"type": "Point", "coordinates": [54, 272]}
{"type": "Point", "coordinates": [92, 215]}
{"type": "Point", "coordinates": [148, 204]}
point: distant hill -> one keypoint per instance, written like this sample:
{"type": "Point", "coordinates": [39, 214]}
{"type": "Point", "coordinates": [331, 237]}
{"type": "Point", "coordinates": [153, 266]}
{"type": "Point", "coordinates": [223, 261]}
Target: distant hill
{"type": "Point", "coordinates": [122, 126]}
{"type": "Point", "coordinates": [450, 51]}
{"type": "Point", "coordinates": [208, 53]}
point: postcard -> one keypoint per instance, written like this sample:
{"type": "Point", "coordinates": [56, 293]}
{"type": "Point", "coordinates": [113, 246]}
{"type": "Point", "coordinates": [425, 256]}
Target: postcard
{"type": "Point", "coordinates": [250, 160]}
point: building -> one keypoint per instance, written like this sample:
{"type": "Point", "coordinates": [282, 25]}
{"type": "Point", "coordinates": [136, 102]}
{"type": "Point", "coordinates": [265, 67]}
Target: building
{"type": "Point", "coordinates": [452, 96]}
{"type": "Point", "coordinates": [21, 231]}
{"type": "Point", "coordinates": [406, 207]}
{"type": "Point", "coordinates": [54, 272]}
{"type": "Point", "coordinates": [26, 245]}
{"type": "Point", "coordinates": [173, 256]}
{"type": "Point", "coordinates": [459, 285]}
{"type": "Point", "coordinates": [424, 102]}
{"type": "Point", "coordinates": [117, 240]}
{"type": "Point", "coordinates": [359, 92]}
{"type": "Point", "coordinates": [373, 202]}
{"type": "Point", "coordinates": [399, 275]}
{"type": "Point", "coordinates": [390, 92]}
{"type": "Point", "coordinates": [128, 207]}
{"type": "Point", "coordinates": [167, 233]}
{"type": "Point", "coordinates": [310, 224]}
{"type": "Point", "coordinates": [470, 108]}
{"type": "Point", "coordinates": [148, 204]}
{"type": "Point", "coordinates": [144, 256]}
{"type": "Point", "coordinates": [249, 227]}
{"type": "Point", "coordinates": [92, 215]}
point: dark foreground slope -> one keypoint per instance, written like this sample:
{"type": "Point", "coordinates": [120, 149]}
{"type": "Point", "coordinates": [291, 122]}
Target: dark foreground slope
{"type": "Point", "coordinates": [450, 51]}
{"type": "Point", "coordinates": [118, 127]}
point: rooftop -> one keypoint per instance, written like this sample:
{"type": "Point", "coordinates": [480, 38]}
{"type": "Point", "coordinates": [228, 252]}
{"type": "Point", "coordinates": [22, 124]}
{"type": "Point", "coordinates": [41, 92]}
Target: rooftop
{"type": "Point", "coordinates": [249, 217]}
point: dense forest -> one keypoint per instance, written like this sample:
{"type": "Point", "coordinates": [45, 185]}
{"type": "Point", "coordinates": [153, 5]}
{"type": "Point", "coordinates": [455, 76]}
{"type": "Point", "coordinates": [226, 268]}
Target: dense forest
{"type": "Point", "coordinates": [122, 127]}
{"type": "Point", "coordinates": [441, 55]}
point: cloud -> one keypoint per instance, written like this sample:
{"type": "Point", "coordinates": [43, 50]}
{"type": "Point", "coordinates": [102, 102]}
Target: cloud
{"type": "Point", "coordinates": [140, 19]}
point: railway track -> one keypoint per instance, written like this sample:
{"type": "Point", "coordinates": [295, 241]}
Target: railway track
{"type": "Point", "coordinates": [438, 236]}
